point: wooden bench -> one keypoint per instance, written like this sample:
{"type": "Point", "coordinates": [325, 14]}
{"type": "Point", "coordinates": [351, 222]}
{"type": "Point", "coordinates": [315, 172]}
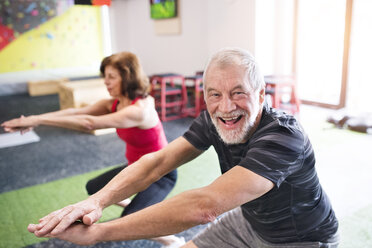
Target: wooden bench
{"type": "Point", "coordinates": [45, 87]}
{"type": "Point", "coordinates": [77, 94]}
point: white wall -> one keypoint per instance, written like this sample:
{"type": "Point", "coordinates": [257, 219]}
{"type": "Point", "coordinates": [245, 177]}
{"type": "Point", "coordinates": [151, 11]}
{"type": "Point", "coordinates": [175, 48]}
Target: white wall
{"type": "Point", "coordinates": [230, 23]}
{"type": "Point", "coordinates": [206, 26]}
{"type": "Point", "coordinates": [274, 36]}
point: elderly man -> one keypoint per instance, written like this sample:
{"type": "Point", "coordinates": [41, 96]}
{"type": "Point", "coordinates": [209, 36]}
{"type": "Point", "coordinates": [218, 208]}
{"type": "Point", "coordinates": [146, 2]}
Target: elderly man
{"type": "Point", "coordinates": [268, 177]}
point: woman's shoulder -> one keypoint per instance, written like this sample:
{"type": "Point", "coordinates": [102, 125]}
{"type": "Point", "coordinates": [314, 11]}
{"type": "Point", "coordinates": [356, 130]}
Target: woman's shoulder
{"type": "Point", "coordinates": [146, 107]}
{"type": "Point", "coordinates": [146, 102]}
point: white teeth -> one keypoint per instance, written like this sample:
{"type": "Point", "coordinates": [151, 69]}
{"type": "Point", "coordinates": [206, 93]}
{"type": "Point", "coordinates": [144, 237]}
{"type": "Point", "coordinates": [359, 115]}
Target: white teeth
{"type": "Point", "coordinates": [229, 118]}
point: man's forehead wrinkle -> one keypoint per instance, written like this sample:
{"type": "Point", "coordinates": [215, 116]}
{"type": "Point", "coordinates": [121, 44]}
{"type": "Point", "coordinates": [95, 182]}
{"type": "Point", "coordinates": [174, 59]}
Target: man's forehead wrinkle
{"type": "Point", "coordinates": [238, 86]}
{"type": "Point", "coordinates": [240, 81]}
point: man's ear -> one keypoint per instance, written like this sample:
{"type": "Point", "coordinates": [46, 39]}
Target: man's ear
{"type": "Point", "coordinates": [262, 95]}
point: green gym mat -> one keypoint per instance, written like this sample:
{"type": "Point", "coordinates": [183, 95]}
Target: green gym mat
{"type": "Point", "coordinates": [356, 230]}
{"type": "Point", "coordinates": [20, 207]}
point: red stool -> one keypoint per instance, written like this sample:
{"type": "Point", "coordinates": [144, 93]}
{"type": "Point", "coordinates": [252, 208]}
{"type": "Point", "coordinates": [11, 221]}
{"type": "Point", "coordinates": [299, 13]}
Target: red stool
{"type": "Point", "coordinates": [170, 95]}
{"type": "Point", "coordinates": [280, 87]}
{"type": "Point", "coordinates": [194, 86]}
{"type": "Point", "coordinates": [199, 73]}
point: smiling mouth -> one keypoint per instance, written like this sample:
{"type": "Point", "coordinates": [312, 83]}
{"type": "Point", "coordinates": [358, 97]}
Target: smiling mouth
{"type": "Point", "coordinates": [230, 120]}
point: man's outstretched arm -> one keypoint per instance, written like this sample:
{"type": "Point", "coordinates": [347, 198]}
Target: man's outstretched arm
{"type": "Point", "coordinates": [135, 178]}
{"type": "Point", "coordinates": [190, 208]}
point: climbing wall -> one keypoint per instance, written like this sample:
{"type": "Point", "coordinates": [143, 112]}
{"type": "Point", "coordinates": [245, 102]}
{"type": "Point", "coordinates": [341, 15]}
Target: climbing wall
{"type": "Point", "coordinates": [49, 34]}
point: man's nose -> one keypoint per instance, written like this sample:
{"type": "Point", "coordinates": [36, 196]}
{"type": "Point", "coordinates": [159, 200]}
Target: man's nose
{"type": "Point", "coordinates": [226, 105]}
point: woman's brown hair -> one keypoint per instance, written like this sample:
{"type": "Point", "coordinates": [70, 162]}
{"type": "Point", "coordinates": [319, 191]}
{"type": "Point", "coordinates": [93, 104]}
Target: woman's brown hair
{"type": "Point", "coordinates": [133, 79]}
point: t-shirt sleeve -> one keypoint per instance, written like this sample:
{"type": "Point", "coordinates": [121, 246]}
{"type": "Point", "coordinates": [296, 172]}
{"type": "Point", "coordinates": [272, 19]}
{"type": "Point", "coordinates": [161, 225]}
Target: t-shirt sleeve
{"type": "Point", "coordinates": [276, 153]}
{"type": "Point", "coordinates": [198, 134]}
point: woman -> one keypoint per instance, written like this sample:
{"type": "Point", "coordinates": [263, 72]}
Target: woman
{"type": "Point", "coordinates": [132, 112]}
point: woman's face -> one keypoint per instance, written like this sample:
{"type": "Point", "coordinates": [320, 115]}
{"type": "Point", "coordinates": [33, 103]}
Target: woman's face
{"type": "Point", "coordinates": [113, 81]}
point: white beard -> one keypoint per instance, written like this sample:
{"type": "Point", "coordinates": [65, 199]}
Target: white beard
{"type": "Point", "coordinates": [238, 135]}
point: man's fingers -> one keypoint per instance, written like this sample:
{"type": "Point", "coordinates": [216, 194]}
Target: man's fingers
{"type": "Point", "coordinates": [88, 220]}
{"type": "Point", "coordinates": [67, 220]}
{"type": "Point", "coordinates": [31, 228]}
{"type": "Point", "coordinates": [40, 225]}
{"type": "Point", "coordinates": [42, 222]}
{"type": "Point", "coordinates": [92, 217]}
{"type": "Point", "coordinates": [54, 213]}
{"type": "Point", "coordinates": [51, 221]}
{"type": "Point", "coordinates": [58, 221]}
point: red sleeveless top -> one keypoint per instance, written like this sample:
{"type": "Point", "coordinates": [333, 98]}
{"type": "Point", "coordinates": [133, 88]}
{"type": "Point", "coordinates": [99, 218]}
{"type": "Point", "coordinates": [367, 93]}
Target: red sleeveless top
{"type": "Point", "coordinates": [140, 141]}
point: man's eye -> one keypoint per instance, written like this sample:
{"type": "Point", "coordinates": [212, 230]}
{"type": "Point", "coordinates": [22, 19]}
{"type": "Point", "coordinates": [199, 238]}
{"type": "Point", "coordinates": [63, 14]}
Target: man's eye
{"type": "Point", "coordinates": [238, 93]}
{"type": "Point", "coordinates": [210, 94]}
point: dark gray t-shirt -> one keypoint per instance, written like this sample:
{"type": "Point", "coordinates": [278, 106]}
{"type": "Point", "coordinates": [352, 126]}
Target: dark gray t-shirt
{"type": "Point", "coordinates": [297, 209]}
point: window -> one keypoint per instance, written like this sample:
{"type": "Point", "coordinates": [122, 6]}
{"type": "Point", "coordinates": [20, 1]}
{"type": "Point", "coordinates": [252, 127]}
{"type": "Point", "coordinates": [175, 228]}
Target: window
{"type": "Point", "coordinates": [320, 51]}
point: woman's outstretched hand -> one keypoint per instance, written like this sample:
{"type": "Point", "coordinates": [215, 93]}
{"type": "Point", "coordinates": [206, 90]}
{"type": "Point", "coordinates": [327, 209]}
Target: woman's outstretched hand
{"type": "Point", "coordinates": [22, 124]}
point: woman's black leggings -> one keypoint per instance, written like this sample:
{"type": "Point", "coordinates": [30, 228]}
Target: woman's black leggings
{"type": "Point", "coordinates": [155, 193]}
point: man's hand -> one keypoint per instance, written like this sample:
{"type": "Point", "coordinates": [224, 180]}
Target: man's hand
{"type": "Point", "coordinates": [79, 234]}
{"type": "Point", "coordinates": [52, 225]}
